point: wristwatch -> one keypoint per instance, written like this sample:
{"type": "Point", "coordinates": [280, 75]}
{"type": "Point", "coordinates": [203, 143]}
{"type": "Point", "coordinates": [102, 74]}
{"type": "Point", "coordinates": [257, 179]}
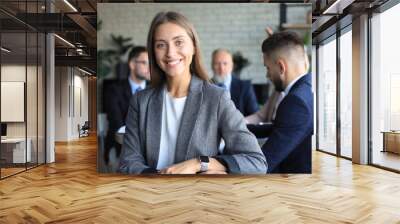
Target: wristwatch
{"type": "Point", "coordinates": [204, 160]}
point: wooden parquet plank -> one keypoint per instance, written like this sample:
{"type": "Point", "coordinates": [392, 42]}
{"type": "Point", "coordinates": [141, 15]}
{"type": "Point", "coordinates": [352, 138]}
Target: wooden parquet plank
{"type": "Point", "coordinates": [70, 191]}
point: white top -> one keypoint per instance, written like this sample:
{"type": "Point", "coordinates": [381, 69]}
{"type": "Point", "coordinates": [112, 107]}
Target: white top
{"type": "Point", "coordinates": [121, 130]}
{"type": "Point", "coordinates": [171, 119]}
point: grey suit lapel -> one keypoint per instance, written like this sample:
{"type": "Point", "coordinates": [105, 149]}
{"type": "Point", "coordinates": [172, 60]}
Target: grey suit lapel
{"type": "Point", "coordinates": [153, 127]}
{"type": "Point", "coordinates": [189, 117]}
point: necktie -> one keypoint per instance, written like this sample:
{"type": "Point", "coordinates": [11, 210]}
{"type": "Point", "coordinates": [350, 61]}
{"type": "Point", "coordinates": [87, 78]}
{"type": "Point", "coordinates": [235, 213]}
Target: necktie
{"type": "Point", "coordinates": [222, 85]}
{"type": "Point", "coordinates": [138, 89]}
{"type": "Point", "coordinates": [225, 88]}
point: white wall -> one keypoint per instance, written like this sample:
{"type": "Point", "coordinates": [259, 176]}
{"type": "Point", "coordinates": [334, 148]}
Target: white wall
{"type": "Point", "coordinates": [33, 125]}
{"type": "Point", "coordinates": [61, 103]}
{"type": "Point", "coordinates": [14, 73]}
{"type": "Point", "coordinates": [234, 26]}
{"type": "Point", "coordinates": [17, 73]}
{"type": "Point", "coordinates": [71, 94]}
{"type": "Point", "coordinates": [81, 105]}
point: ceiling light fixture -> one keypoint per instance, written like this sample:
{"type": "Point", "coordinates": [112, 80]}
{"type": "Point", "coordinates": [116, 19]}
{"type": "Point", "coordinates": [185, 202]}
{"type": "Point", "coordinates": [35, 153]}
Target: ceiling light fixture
{"type": "Point", "coordinates": [70, 5]}
{"type": "Point", "coordinates": [79, 51]}
{"type": "Point", "coordinates": [337, 7]}
{"type": "Point", "coordinates": [5, 49]}
{"type": "Point", "coordinates": [64, 40]}
{"type": "Point", "coordinates": [84, 71]}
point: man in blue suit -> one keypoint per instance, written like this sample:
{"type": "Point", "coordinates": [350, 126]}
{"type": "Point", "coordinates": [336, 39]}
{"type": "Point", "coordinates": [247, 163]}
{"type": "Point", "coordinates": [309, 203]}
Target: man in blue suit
{"type": "Point", "coordinates": [241, 91]}
{"type": "Point", "coordinates": [118, 94]}
{"type": "Point", "coordinates": [288, 148]}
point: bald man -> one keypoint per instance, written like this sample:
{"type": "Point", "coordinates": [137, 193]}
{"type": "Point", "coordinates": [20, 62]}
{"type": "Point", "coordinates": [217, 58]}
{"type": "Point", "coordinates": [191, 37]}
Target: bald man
{"type": "Point", "coordinates": [241, 91]}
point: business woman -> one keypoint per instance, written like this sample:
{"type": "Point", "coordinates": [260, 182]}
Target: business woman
{"type": "Point", "coordinates": [175, 126]}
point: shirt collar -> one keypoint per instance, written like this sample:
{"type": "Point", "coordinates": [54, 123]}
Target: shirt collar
{"type": "Point", "coordinates": [134, 85]}
{"type": "Point", "coordinates": [228, 81]}
{"type": "Point", "coordinates": [291, 84]}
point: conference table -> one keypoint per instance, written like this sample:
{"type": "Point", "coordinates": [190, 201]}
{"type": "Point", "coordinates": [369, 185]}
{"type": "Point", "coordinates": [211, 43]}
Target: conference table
{"type": "Point", "coordinates": [391, 141]}
{"type": "Point", "coordinates": [13, 150]}
{"type": "Point", "coordinates": [261, 131]}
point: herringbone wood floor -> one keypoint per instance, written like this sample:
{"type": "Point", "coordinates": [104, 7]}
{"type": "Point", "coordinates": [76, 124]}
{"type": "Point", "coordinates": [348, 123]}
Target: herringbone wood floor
{"type": "Point", "coordinates": [70, 191]}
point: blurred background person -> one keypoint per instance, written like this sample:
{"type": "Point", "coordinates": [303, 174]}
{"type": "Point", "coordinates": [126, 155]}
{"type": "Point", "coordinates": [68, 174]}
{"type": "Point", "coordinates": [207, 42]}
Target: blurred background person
{"type": "Point", "coordinates": [288, 148]}
{"type": "Point", "coordinates": [241, 91]}
{"type": "Point", "coordinates": [118, 96]}
{"type": "Point", "coordinates": [267, 112]}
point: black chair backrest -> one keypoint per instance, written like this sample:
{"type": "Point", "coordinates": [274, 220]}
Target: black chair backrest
{"type": "Point", "coordinates": [86, 125]}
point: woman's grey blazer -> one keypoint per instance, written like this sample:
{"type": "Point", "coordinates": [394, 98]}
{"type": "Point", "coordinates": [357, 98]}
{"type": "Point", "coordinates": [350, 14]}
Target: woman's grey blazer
{"type": "Point", "coordinates": [208, 115]}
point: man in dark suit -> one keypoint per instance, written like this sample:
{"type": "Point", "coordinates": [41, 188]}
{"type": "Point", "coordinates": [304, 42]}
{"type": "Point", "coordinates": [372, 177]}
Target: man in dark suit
{"type": "Point", "coordinates": [241, 91]}
{"type": "Point", "coordinates": [118, 95]}
{"type": "Point", "coordinates": [288, 148]}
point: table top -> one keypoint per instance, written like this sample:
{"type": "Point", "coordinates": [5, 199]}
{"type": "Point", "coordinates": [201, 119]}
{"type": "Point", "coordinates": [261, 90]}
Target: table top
{"type": "Point", "coordinates": [391, 132]}
{"type": "Point", "coordinates": [13, 140]}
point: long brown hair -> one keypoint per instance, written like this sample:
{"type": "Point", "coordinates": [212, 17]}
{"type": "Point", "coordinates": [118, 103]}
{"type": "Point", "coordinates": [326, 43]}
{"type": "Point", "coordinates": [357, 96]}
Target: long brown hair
{"type": "Point", "coordinates": [158, 76]}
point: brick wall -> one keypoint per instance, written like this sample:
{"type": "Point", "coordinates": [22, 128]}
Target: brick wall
{"type": "Point", "coordinates": [235, 26]}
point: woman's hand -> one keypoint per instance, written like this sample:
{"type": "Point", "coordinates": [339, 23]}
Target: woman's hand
{"type": "Point", "coordinates": [191, 166]}
{"type": "Point", "coordinates": [269, 31]}
{"type": "Point", "coordinates": [214, 172]}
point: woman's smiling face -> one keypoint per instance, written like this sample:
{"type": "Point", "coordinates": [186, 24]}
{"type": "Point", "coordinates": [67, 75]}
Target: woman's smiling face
{"type": "Point", "coordinates": [173, 49]}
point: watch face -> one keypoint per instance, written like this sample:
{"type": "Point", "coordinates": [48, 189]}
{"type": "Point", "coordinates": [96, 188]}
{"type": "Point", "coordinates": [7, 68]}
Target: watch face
{"type": "Point", "coordinates": [204, 159]}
